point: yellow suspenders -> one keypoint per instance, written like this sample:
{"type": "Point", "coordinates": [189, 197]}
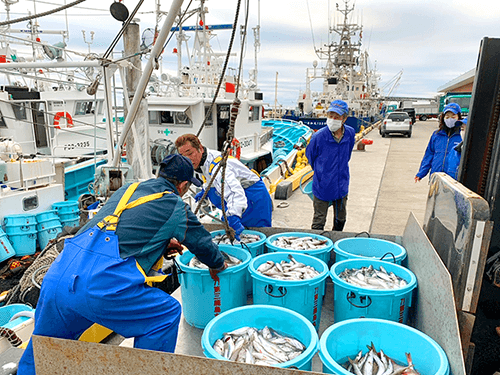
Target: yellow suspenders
{"type": "Point", "coordinates": [110, 222]}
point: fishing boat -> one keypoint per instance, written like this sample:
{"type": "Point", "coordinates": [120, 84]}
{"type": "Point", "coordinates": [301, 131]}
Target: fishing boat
{"type": "Point", "coordinates": [201, 95]}
{"type": "Point", "coordinates": [347, 74]}
{"type": "Point", "coordinates": [50, 102]}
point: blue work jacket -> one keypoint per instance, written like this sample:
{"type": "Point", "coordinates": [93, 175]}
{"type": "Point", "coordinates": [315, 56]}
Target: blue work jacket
{"type": "Point", "coordinates": [439, 155]}
{"type": "Point", "coordinates": [329, 160]}
{"type": "Point", "coordinates": [144, 232]}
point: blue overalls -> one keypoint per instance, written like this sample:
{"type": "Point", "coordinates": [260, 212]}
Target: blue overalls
{"type": "Point", "coordinates": [90, 283]}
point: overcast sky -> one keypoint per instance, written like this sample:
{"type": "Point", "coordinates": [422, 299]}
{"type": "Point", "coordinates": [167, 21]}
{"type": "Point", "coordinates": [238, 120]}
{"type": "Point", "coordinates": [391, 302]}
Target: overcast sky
{"type": "Point", "coordinates": [432, 41]}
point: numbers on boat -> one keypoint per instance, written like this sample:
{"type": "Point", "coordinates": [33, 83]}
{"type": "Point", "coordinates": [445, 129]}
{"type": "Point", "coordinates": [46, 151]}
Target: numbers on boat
{"type": "Point", "coordinates": [246, 143]}
{"type": "Point", "coordinates": [72, 146]}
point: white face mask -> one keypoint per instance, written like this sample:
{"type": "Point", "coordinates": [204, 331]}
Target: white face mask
{"type": "Point", "coordinates": [450, 122]}
{"type": "Point", "coordinates": [333, 125]}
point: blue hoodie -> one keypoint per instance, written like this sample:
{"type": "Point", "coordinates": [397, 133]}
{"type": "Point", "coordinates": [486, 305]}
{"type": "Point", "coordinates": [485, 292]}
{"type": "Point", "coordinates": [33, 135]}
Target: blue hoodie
{"type": "Point", "coordinates": [329, 160]}
{"type": "Point", "coordinates": [439, 155]}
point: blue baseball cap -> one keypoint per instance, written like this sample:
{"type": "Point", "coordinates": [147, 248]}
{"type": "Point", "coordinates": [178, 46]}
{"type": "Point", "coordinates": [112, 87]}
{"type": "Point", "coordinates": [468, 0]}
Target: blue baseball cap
{"type": "Point", "coordinates": [178, 167]}
{"type": "Point", "coordinates": [452, 107]}
{"type": "Point", "coordinates": [338, 106]}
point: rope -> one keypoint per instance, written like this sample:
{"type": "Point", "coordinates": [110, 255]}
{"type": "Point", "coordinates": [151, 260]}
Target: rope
{"type": "Point", "coordinates": [41, 14]}
{"type": "Point", "coordinates": [209, 112]}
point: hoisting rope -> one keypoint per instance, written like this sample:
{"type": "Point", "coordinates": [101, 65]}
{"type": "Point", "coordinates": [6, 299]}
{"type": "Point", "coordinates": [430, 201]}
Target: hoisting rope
{"type": "Point", "coordinates": [235, 108]}
{"type": "Point", "coordinates": [223, 72]}
{"type": "Point", "coordinates": [49, 12]}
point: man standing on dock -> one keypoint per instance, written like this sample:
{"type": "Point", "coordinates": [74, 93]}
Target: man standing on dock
{"type": "Point", "coordinates": [329, 152]}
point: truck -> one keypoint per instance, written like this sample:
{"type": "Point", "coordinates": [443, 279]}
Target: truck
{"type": "Point", "coordinates": [463, 99]}
{"type": "Point", "coordinates": [426, 109]}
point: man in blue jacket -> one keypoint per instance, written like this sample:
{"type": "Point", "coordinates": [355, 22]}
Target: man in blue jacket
{"type": "Point", "coordinates": [101, 274]}
{"type": "Point", "coordinates": [329, 152]}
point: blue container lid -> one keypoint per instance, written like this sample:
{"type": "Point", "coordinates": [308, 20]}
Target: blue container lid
{"type": "Point", "coordinates": [308, 260]}
{"type": "Point", "coordinates": [283, 320]}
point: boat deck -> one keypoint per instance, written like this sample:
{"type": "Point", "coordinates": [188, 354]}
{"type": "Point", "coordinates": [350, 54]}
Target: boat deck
{"type": "Point", "coordinates": [382, 195]}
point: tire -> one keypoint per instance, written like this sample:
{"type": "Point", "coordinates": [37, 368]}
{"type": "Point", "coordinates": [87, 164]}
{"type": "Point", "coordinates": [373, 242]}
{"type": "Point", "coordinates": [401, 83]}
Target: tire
{"type": "Point", "coordinates": [423, 118]}
{"type": "Point", "coordinates": [408, 134]}
{"type": "Point", "coordinates": [383, 134]}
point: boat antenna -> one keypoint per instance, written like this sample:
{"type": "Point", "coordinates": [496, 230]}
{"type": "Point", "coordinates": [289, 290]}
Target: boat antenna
{"type": "Point", "coordinates": [310, 23]}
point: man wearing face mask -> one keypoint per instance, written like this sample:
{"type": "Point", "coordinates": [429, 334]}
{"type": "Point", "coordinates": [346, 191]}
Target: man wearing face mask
{"type": "Point", "coordinates": [440, 155]}
{"type": "Point", "coordinates": [329, 152]}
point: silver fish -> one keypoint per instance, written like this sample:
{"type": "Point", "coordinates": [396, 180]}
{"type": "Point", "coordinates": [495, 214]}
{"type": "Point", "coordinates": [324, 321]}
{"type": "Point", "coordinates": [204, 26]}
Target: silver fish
{"type": "Point", "coordinates": [378, 363]}
{"type": "Point", "coordinates": [264, 346]}
{"type": "Point", "coordinates": [284, 270]}
{"type": "Point", "coordinates": [244, 238]}
{"type": "Point", "coordinates": [371, 278]}
{"type": "Point", "coordinates": [230, 261]}
{"type": "Point", "coordinates": [299, 243]}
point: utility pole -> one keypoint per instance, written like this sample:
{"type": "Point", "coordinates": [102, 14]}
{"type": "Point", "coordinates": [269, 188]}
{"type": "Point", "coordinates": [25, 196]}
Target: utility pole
{"type": "Point", "coordinates": [138, 141]}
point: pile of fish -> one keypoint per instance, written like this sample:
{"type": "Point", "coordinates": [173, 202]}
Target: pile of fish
{"type": "Point", "coordinates": [230, 261]}
{"type": "Point", "coordinates": [369, 277]}
{"type": "Point", "coordinates": [261, 347]}
{"type": "Point", "coordinates": [284, 270]}
{"type": "Point", "coordinates": [244, 238]}
{"type": "Point", "coordinates": [299, 243]}
{"type": "Point", "coordinates": [377, 363]}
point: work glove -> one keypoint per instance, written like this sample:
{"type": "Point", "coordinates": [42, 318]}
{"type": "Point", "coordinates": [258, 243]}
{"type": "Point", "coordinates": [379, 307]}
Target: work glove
{"type": "Point", "coordinates": [199, 195]}
{"type": "Point", "coordinates": [235, 223]}
{"type": "Point", "coordinates": [174, 247]}
{"type": "Point", "coordinates": [214, 272]}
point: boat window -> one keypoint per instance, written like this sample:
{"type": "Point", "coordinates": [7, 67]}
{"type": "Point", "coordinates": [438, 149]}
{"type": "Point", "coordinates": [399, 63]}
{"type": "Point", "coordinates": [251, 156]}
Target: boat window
{"type": "Point", "coordinates": [20, 110]}
{"type": "Point", "coordinates": [174, 117]}
{"type": "Point", "coordinates": [85, 108]}
{"type": "Point", "coordinates": [30, 203]}
{"type": "Point", "coordinates": [154, 117]}
{"type": "Point", "coordinates": [100, 105]}
{"type": "Point", "coordinates": [254, 113]}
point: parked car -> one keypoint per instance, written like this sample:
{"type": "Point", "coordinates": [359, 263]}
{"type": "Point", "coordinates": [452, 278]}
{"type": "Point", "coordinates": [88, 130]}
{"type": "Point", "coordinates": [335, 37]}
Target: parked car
{"type": "Point", "coordinates": [396, 122]}
{"type": "Point", "coordinates": [412, 113]}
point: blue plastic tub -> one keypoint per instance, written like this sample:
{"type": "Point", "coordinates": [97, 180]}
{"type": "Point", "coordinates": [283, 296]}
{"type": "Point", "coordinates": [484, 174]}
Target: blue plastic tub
{"type": "Point", "coordinates": [47, 232]}
{"type": "Point", "coordinates": [23, 244]}
{"type": "Point", "coordinates": [18, 220]}
{"type": "Point", "coordinates": [302, 296]}
{"type": "Point", "coordinates": [347, 338]}
{"type": "Point", "coordinates": [69, 217]}
{"type": "Point", "coordinates": [202, 298]}
{"type": "Point", "coordinates": [322, 253]}
{"type": "Point", "coordinates": [65, 207]}
{"type": "Point", "coordinates": [360, 247]}
{"type": "Point", "coordinates": [6, 249]}
{"type": "Point", "coordinates": [9, 311]}
{"type": "Point", "coordinates": [255, 248]}
{"type": "Point", "coordinates": [46, 216]}
{"type": "Point", "coordinates": [351, 301]}
{"type": "Point", "coordinates": [282, 320]}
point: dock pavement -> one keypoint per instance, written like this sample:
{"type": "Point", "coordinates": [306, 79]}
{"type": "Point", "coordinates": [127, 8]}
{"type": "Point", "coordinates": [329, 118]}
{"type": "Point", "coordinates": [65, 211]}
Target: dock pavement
{"type": "Point", "coordinates": [382, 189]}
